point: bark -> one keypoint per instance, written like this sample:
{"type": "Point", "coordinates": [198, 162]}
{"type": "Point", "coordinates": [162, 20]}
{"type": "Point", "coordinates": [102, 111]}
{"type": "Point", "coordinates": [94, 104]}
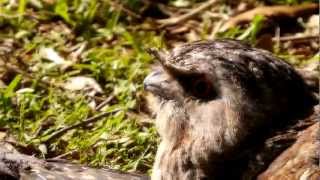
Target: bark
{"type": "Point", "coordinates": [289, 154]}
{"type": "Point", "coordinates": [300, 161]}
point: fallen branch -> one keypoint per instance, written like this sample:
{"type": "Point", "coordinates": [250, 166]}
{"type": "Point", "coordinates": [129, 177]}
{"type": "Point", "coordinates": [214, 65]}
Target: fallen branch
{"type": "Point", "coordinates": [303, 157]}
{"type": "Point", "coordinates": [297, 38]}
{"type": "Point", "coordinates": [281, 141]}
{"type": "Point", "coordinates": [282, 11]}
{"type": "Point", "coordinates": [14, 165]}
{"type": "Point", "coordinates": [176, 20]}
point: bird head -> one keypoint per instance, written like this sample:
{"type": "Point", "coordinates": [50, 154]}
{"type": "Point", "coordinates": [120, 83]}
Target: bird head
{"type": "Point", "coordinates": [221, 91]}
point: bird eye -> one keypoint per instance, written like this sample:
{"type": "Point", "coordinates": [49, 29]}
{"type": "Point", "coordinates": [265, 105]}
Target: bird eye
{"type": "Point", "coordinates": [201, 88]}
{"type": "Point", "coordinates": [198, 86]}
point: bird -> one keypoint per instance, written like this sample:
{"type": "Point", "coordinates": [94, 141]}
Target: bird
{"type": "Point", "coordinates": [216, 100]}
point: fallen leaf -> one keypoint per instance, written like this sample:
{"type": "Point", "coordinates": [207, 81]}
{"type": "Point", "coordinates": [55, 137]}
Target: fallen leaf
{"type": "Point", "coordinates": [3, 135]}
{"type": "Point", "coordinates": [312, 26]}
{"type": "Point", "coordinates": [25, 90]}
{"type": "Point", "coordinates": [51, 55]}
{"type": "Point", "coordinates": [83, 83]}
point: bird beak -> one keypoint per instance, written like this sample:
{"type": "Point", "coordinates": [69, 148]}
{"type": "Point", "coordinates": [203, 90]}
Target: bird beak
{"type": "Point", "coordinates": [153, 81]}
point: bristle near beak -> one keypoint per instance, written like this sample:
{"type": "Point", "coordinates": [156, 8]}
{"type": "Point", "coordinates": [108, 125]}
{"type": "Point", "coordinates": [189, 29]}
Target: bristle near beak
{"type": "Point", "coordinates": [171, 67]}
{"type": "Point", "coordinates": [161, 56]}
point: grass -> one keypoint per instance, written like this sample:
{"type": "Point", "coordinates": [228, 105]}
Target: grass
{"type": "Point", "coordinates": [93, 40]}
{"type": "Point", "coordinates": [35, 105]}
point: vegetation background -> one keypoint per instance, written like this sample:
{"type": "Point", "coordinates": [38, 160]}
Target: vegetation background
{"type": "Point", "coordinates": [71, 71]}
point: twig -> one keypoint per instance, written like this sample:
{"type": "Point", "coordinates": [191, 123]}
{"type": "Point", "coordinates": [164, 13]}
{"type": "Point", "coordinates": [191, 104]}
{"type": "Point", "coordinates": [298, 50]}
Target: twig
{"type": "Point", "coordinates": [105, 102]}
{"type": "Point", "coordinates": [79, 124]}
{"type": "Point", "coordinates": [296, 38]}
{"type": "Point", "coordinates": [184, 17]}
{"type": "Point", "coordinates": [164, 9]}
{"type": "Point", "coordinates": [218, 15]}
{"type": "Point", "coordinates": [15, 16]}
{"type": "Point", "coordinates": [62, 155]}
{"type": "Point", "coordinates": [14, 68]}
{"type": "Point", "coordinates": [124, 9]}
{"type": "Point", "coordinates": [276, 39]}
